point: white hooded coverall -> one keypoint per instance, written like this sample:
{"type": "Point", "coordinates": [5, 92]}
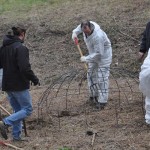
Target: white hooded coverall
{"type": "Point", "coordinates": [144, 85]}
{"type": "Point", "coordinates": [99, 60]}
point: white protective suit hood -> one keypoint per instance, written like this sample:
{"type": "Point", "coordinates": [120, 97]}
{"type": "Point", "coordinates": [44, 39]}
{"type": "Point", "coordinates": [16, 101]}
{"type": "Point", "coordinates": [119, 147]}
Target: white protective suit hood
{"type": "Point", "coordinates": [99, 46]}
{"type": "Point", "coordinates": [144, 76]}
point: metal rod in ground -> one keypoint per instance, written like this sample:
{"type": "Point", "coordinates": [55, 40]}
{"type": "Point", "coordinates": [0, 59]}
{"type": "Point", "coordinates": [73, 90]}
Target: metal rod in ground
{"type": "Point", "coordinates": [24, 127]}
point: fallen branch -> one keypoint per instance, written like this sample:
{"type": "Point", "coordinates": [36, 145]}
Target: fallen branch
{"type": "Point", "coordinates": [8, 113]}
{"type": "Point", "coordinates": [93, 139]}
{"type": "Point", "coordinates": [123, 32]}
{"type": "Point", "coordinates": [10, 145]}
{"type": "Point", "coordinates": [128, 36]}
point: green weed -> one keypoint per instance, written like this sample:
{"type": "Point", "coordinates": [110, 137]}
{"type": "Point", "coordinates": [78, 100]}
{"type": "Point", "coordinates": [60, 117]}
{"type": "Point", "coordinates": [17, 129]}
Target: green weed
{"type": "Point", "coordinates": [23, 5]}
{"type": "Point", "coordinates": [65, 148]}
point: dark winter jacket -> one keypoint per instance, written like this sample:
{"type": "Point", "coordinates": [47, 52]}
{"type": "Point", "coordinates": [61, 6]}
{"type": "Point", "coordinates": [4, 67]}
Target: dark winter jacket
{"type": "Point", "coordinates": [14, 59]}
{"type": "Point", "coordinates": [145, 45]}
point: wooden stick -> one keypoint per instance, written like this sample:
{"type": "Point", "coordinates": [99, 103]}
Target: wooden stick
{"type": "Point", "coordinates": [10, 145]}
{"type": "Point", "coordinates": [80, 51]}
{"type": "Point", "coordinates": [1, 107]}
{"type": "Point", "coordinates": [93, 138]}
{"type": "Point", "coordinates": [25, 128]}
{"type": "Point", "coordinates": [15, 147]}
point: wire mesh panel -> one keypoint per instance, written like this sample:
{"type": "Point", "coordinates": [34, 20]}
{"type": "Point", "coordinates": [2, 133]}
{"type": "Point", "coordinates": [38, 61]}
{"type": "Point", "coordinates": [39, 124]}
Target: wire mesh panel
{"type": "Point", "coordinates": [69, 94]}
{"type": "Point", "coordinates": [64, 107]}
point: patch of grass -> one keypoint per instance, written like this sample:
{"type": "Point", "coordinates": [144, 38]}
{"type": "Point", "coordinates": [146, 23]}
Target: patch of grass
{"type": "Point", "coordinates": [20, 5]}
{"type": "Point", "coordinates": [65, 148]}
{"type": "Point", "coordinates": [24, 5]}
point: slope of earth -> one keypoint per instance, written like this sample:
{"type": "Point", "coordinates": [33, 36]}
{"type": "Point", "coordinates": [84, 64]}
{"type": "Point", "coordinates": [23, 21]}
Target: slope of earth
{"type": "Point", "coordinates": [52, 53]}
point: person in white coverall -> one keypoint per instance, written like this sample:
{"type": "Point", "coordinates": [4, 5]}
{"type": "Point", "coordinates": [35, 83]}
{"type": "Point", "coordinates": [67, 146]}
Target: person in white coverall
{"type": "Point", "coordinates": [99, 60]}
{"type": "Point", "coordinates": [144, 85]}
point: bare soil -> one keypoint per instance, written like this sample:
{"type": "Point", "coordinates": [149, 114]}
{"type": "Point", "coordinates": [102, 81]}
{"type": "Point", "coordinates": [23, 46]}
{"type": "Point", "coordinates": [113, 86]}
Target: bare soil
{"type": "Point", "coordinates": [62, 116]}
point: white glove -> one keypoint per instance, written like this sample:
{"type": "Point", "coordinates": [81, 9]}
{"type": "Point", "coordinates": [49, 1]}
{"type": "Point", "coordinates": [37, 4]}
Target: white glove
{"type": "Point", "coordinates": [83, 59]}
{"type": "Point", "coordinates": [74, 35]}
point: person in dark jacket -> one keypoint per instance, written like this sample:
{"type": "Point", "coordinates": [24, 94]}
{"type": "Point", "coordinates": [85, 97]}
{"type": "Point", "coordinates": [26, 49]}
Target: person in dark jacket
{"type": "Point", "coordinates": [17, 74]}
{"type": "Point", "coordinates": [145, 44]}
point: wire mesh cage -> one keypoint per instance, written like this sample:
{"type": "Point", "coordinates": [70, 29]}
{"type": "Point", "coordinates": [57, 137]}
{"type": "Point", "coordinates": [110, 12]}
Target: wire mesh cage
{"type": "Point", "coordinates": [69, 94]}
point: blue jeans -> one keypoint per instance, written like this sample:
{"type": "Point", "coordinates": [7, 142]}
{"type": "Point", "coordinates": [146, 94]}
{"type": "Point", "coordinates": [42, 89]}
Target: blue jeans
{"type": "Point", "coordinates": [22, 106]}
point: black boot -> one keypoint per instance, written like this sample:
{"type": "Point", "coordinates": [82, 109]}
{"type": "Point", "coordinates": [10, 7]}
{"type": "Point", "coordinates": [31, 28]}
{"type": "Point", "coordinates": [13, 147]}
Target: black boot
{"type": "Point", "coordinates": [100, 105]}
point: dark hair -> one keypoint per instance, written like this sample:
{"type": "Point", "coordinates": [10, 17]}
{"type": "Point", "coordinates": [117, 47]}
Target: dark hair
{"type": "Point", "coordinates": [17, 31]}
{"type": "Point", "coordinates": [85, 23]}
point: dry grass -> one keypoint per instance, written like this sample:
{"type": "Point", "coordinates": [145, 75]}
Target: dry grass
{"type": "Point", "coordinates": [121, 125]}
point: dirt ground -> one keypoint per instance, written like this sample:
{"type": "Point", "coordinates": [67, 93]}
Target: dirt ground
{"type": "Point", "coordinates": [56, 61]}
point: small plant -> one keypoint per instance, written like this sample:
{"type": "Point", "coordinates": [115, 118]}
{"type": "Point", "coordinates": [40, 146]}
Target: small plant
{"type": "Point", "coordinates": [65, 148]}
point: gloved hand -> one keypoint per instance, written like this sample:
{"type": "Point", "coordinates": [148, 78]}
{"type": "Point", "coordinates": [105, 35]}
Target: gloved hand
{"type": "Point", "coordinates": [83, 59]}
{"type": "Point", "coordinates": [35, 82]}
{"type": "Point", "coordinates": [74, 35]}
